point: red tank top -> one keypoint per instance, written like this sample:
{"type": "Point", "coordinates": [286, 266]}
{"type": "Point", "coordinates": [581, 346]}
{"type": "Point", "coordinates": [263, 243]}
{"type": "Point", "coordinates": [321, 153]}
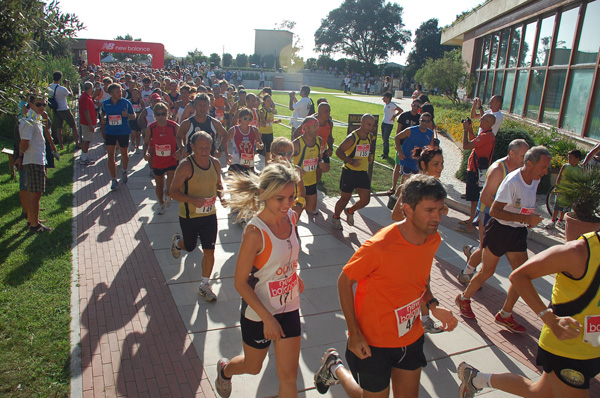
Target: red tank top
{"type": "Point", "coordinates": [163, 144]}
{"type": "Point", "coordinates": [244, 146]}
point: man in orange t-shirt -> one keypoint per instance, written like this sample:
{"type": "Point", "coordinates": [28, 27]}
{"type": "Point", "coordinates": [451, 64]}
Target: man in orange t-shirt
{"type": "Point", "coordinates": [385, 333]}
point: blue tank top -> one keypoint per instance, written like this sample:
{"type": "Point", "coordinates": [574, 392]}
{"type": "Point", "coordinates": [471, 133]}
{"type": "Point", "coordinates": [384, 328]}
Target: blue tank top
{"type": "Point", "coordinates": [417, 139]}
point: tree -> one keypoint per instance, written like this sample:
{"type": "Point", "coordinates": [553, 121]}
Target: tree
{"type": "Point", "coordinates": [241, 60]}
{"type": "Point", "coordinates": [367, 30]}
{"type": "Point", "coordinates": [254, 59]}
{"type": "Point", "coordinates": [447, 74]}
{"type": "Point", "coordinates": [33, 33]}
{"type": "Point", "coordinates": [296, 62]}
{"type": "Point", "coordinates": [227, 60]}
{"type": "Point", "coordinates": [215, 59]}
{"type": "Point", "coordinates": [427, 45]}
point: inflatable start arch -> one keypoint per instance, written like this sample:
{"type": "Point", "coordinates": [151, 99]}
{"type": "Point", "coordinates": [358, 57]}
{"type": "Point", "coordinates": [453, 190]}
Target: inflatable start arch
{"type": "Point", "coordinates": [95, 47]}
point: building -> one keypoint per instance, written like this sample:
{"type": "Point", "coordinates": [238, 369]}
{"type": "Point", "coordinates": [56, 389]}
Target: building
{"type": "Point", "coordinates": [541, 55]}
{"type": "Point", "coordinates": [274, 43]}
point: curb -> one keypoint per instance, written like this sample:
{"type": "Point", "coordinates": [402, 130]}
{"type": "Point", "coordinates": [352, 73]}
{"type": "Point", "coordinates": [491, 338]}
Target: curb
{"type": "Point", "coordinates": [75, 357]}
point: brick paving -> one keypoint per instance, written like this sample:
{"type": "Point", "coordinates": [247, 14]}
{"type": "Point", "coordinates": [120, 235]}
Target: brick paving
{"type": "Point", "coordinates": [133, 339]}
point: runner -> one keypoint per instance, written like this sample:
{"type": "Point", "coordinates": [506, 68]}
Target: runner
{"type": "Point", "coordinates": [416, 136]}
{"type": "Point", "coordinates": [138, 106]}
{"type": "Point", "coordinates": [513, 211]}
{"type": "Point", "coordinates": [266, 118]}
{"type": "Point", "coordinates": [184, 99]}
{"type": "Point", "coordinates": [283, 150]}
{"type": "Point", "coordinates": [161, 144]}
{"type": "Point", "coordinates": [116, 111]}
{"type": "Point", "coordinates": [385, 334]}
{"type": "Point", "coordinates": [494, 176]}
{"type": "Point", "coordinates": [569, 345]}
{"type": "Point", "coordinates": [201, 121]}
{"type": "Point", "coordinates": [266, 277]}
{"type": "Point", "coordinates": [196, 185]}
{"type": "Point", "coordinates": [326, 133]}
{"type": "Point", "coordinates": [239, 104]}
{"type": "Point", "coordinates": [241, 141]}
{"type": "Point", "coordinates": [307, 153]}
{"type": "Point", "coordinates": [220, 103]}
{"type": "Point", "coordinates": [355, 152]}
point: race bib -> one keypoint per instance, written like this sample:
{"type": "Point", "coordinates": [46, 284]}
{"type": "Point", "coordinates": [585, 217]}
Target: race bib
{"type": "Point", "coordinates": [137, 108]}
{"type": "Point", "coordinates": [363, 151]}
{"type": "Point", "coordinates": [407, 315]}
{"type": "Point", "coordinates": [162, 150]}
{"type": "Point", "coordinates": [208, 206]}
{"type": "Point", "coordinates": [114, 120]}
{"type": "Point", "coordinates": [310, 164]}
{"type": "Point", "coordinates": [247, 159]}
{"type": "Point", "coordinates": [591, 330]}
{"type": "Point", "coordinates": [283, 291]}
{"type": "Point", "coordinates": [527, 211]}
{"type": "Point", "coordinates": [220, 115]}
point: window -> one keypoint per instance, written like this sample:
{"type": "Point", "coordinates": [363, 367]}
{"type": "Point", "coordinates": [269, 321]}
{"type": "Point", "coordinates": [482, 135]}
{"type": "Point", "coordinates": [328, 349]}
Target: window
{"type": "Point", "coordinates": [564, 38]}
{"type": "Point", "coordinates": [536, 87]}
{"type": "Point", "coordinates": [554, 93]}
{"type": "Point", "coordinates": [508, 88]}
{"type": "Point", "coordinates": [503, 47]}
{"type": "Point", "coordinates": [579, 92]}
{"type": "Point", "coordinates": [514, 46]}
{"type": "Point", "coordinates": [527, 50]}
{"type": "Point", "coordinates": [486, 53]}
{"type": "Point", "coordinates": [488, 87]}
{"type": "Point", "coordinates": [520, 92]}
{"type": "Point", "coordinates": [544, 42]}
{"type": "Point", "coordinates": [494, 51]}
{"type": "Point", "coordinates": [498, 83]}
{"type": "Point", "coordinates": [594, 131]}
{"type": "Point", "coordinates": [587, 50]}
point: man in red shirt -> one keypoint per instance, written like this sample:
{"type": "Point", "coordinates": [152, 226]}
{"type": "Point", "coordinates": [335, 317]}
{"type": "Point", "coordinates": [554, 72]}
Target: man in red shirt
{"type": "Point", "coordinates": [482, 148]}
{"type": "Point", "coordinates": [87, 120]}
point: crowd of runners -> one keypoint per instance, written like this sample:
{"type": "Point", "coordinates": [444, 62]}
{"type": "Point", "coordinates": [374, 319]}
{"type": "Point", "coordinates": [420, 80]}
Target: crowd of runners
{"type": "Point", "coordinates": [194, 129]}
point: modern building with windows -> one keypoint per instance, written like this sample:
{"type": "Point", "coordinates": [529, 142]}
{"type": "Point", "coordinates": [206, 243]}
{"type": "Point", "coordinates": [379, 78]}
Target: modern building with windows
{"type": "Point", "coordinates": [541, 55]}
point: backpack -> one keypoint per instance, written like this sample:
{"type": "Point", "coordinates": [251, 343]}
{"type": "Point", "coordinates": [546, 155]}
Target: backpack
{"type": "Point", "coordinates": [311, 107]}
{"type": "Point", "coordinates": [52, 104]}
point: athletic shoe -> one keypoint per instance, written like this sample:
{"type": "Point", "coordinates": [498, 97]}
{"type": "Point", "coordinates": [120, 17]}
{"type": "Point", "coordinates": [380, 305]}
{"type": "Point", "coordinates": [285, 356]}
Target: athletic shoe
{"type": "Point", "coordinates": [349, 217]}
{"type": "Point", "coordinates": [463, 278]}
{"type": "Point", "coordinates": [167, 200]}
{"type": "Point", "coordinates": [113, 184]}
{"type": "Point", "coordinates": [337, 223]}
{"type": "Point", "coordinates": [468, 250]}
{"type": "Point", "coordinates": [206, 293]}
{"type": "Point", "coordinates": [161, 209]}
{"type": "Point", "coordinates": [509, 323]}
{"type": "Point", "coordinates": [222, 384]}
{"type": "Point", "coordinates": [550, 225]}
{"type": "Point", "coordinates": [561, 224]}
{"type": "Point", "coordinates": [175, 250]}
{"type": "Point", "coordinates": [464, 306]}
{"type": "Point", "coordinates": [429, 326]}
{"type": "Point", "coordinates": [324, 376]}
{"type": "Point", "coordinates": [466, 374]}
{"type": "Point", "coordinates": [124, 179]}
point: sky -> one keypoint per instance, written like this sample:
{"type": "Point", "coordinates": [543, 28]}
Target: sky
{"type": "Point", "coordinates": [228, 26]}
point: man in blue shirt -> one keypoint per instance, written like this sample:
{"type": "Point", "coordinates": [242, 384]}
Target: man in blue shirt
{"type": "Point", "coordinates": [414, 137]}
{"type": "Point", "coordinates": [117, 111]}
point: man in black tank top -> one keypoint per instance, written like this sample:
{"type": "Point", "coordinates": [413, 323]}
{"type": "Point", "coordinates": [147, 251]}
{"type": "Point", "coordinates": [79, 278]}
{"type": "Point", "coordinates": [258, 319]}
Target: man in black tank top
{"type": "Point", "coordinates": [202, 122]}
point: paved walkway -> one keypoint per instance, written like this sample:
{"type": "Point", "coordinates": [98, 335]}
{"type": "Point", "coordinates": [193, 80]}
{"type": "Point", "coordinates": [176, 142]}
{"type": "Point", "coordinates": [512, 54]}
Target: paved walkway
{"type": "Point", "coordinates": [145, 331]}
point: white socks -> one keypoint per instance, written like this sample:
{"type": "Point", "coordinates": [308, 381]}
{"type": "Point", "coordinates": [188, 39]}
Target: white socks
{"type": "Point", "coordinates": [469, 270]}
{"type": "Point", "coordinates": [482, 380]}
{"type": "Point", "coordinates": [424, 318]}
{"type": "Point", "coordinates": [204, 281]}
{"type": "Point", "coordinates": [505, 314]}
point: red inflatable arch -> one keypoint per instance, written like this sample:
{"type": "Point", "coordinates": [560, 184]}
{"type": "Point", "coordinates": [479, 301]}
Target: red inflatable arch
{"type": "Point", "coordinates": [95, 47]}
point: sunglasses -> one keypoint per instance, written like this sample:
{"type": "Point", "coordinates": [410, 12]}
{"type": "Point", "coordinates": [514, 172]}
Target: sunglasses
{"type": "Point", "coordinates": [160, 114]}
{"type": "Point", "coordinates": [38, 104]}
{"type": "Point", "coordinates": [285, 153]}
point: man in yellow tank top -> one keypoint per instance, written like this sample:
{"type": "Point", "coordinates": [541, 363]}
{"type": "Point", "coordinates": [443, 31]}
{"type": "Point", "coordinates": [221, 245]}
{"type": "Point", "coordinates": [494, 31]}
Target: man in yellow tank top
{"type": "Point", "coordinates": [355, 152]}
{"type": "Point", "coordinates": [307, 155]}
{"type": "Point", "coordinates": [569, 345]}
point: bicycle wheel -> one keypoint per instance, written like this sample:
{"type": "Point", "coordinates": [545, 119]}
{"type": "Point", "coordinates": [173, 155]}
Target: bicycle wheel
{"type": "Point", "coordinates": [551, 200]}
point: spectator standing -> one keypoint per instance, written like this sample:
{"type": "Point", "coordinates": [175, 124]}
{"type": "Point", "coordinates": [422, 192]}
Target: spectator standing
{"type": "Point", "coordinates": [62, 113]}
{"type": "Point", "coordinates": [87, 121]}
{"type": "Point", "coordinates": [390, 112]}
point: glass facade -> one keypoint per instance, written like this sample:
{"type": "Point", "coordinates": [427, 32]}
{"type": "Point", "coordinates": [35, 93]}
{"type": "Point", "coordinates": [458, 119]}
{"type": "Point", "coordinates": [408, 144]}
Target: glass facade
{"type": "Point", "coordinates": [545, 67]}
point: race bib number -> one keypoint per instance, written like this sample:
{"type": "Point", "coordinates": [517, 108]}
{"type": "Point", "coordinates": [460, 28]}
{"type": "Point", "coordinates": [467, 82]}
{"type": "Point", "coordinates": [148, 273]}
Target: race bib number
{"type": "Point", "coordinates": [137, 108]}
{"type": "Point", "coordinates": [591, 330]}
{"type": "Point", "coordinates": [208, 206]}
{"type": "Point", "coordinates": [527, 211]}
{"type": "Point", "coordinates": [310, 164]}
{"type": "Point", "coordinates": [114, 120]}
{"type": "Point", "coordinates": [407, 315]}
{"type": "Point", "coordinates": [363, 151]}
{"type": "Point", "coordinates": [162, 150]}
{"type": "Point", "coordinates": [247, 159]}
{"type": "Point", "coordinates": [283, 291]}
{"type": "Point", "coordinates": [220, 115]}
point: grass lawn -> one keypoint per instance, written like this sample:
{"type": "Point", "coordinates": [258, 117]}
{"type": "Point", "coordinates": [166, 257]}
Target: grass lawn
{"type": "Point", "coordinates": [35, 277]}
{"type": "Point", "coordinates": [340, 109]}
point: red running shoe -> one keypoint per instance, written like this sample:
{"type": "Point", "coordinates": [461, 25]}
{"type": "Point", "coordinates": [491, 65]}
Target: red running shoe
{"type": "Point", "coordinates": [464, 306]}
{"type": "Point", "coordinates": [510, 323]}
